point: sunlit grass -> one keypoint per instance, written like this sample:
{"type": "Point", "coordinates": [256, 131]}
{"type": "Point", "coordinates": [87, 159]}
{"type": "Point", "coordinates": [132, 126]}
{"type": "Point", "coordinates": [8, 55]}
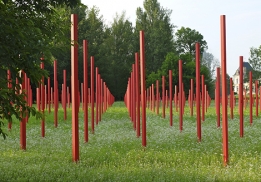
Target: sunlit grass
{"type": "Point", "coordinates": [114, 153]}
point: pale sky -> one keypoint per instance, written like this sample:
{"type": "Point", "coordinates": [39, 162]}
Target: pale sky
{"type": "Point", "coordinates": [243, 22]}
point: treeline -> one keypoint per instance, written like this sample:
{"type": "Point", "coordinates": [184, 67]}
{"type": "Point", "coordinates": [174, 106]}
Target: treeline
{"type": "Point", "coordinates": [113, 46]}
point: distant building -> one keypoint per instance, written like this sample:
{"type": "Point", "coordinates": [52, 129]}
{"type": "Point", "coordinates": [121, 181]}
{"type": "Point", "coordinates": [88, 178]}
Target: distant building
{"type": "Point", "coordinates": [246, 68]}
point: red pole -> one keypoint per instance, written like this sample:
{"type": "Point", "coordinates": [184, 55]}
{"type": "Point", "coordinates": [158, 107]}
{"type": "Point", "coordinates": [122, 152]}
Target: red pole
{"type": "Point", "coordinates": [198, 91]}
{"type": "Point", "coordinates": [75, 88]}
{"type": "Point", "coordinates": [203, 96]}
{"type": "Point", "coordinates": [133, 97]}
{"type": "Point", "coordinates": [85, 85]}
{"type": "Point", "coordinates": [224, 89]}
{"type": "Point", "coordinates": [163, 96]}
{"type": "Point", "coordinates": [231, 99]}
{"type": "Point", "coordinates": [251, 97]}
{"type": "Point", "coordinates": [180, 97]}
{"type": "Point", "coordinates": [49, 94]}
{"type": "Point", "coordinates": [9, 85]}
{"type": "Point", "coordinates": [23, 121]}
{"type": "Point", "coordinates": [256, 87]}
{"type": "Point", "coordinates": [92, 92]}
{"type": "Point", "coordinates": [64, 94]}
{"type": "Point", "coordinates": [96, 96]}
{"type": "Point", "coordinates": [191, 96]}
{"type": "Point", "coordinates": [153, 97]}
{"type": "Point", "coordinates": [42, 102]}
{"type": "Point", "coordinates": [218, 97]}
{"type": "Point", "coordinates": [170, 98]}
{"type": "Point", "coordinates": [240, 102]}
{"type": "Point", "coordinates": [157, 97]}
{"type": "Point", "coordinates": [55, 94]}
{"type": "Point", "coordinates": [143, 87]}
{"type": "Point", "coordinates": [137, 94]}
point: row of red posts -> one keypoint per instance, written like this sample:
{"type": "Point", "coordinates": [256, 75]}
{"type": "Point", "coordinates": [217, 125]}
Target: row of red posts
{"type": "Point", "coordinates": [201, 99]}
{"type": "Point", "coordinates": [136, 95]}
{"type": "Point", "coordinates": [98, 95]}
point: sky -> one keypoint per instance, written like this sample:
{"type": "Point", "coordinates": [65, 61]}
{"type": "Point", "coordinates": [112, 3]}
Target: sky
{"type": "Point", "coordinates": [243, 22]}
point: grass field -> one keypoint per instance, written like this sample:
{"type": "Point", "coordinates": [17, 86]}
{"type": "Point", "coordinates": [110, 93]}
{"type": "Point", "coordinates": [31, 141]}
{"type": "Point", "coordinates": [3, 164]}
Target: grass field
{"type": "Point", "coordinates": [114, 153]}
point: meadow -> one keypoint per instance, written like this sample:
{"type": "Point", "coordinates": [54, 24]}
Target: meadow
{"type": "Point", "coordinates": [114, 153]}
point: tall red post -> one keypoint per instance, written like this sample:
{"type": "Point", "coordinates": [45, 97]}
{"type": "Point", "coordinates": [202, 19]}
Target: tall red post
{"type": "Point", "coordinates": [191, 96]}
{"type": "Point", "coordinates": [180, 97]}
{"type": "Point", "coordinates": [92, 93]}
{"type": "Point", "coordinates": [170, 99]}
{"type": "Point", "coordinates": [163, 96]}
{"type": "Point", "coordinates": [96, 96]}
{"type": "Point", "coordinates": [23, 121]}
{"type": "Point", "coordinates": [224, 89]}
{"type": "Point", "coordinates": [240, 102]}
{"type": "Point", "coordinates": [75, 88]}
{"type": "Point", "coordinates": [49, 94]}
{"type": "Point", "coordinates": [64, 95]}
{"type": "Point", "coordinates": [143, 87]}
{"type": "Point", "coordinates": [256, 87]}
{"type": "Point", "coordinates": [218, 97]}
{"type": "Point", "coordinates": [85, 88]}
{"type": "Point", "coordinates": [55, 94]}
{"type": "Point", "coordinates": [203, 97]}
{"type": "Point", "coordinates": [157, 97]}
{"type": "Point", "coordinates": [137, 94]}
{"type": "Point", "coordinates": [42, 102]}
{"type": "Point", "coordinates": [198, 91]}
{"type": "Point", "coordinates": [250, 97]}
{"type": "Point", "coordinates": [231, 99]}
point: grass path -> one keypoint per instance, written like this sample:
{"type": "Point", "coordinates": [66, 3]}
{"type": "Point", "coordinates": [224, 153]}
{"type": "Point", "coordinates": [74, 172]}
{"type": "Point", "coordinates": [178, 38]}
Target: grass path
{"type": "Point", "coordinates": [114, 153]}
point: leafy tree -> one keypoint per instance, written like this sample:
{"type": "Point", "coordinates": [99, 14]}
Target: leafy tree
{"type": "Point", "coordinates": [28, 30]}
{"type": "Point", "coordinates": [155, 21]}
{"type": "Point", "coordinates": [255, 61]}
{"type": "Point", "coordinates": [185, 40]}
{"type": "Point", "coordinates": [119, 54]}
{"type": "Point", "coordinates": [210, 62]}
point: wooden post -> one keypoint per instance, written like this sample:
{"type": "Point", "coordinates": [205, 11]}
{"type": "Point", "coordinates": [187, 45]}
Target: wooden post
{"type": "Point", "coordinates": [85, 88]}
{"type": "Point", "coordinates": [224, 89]}
{"type": "Point", "coordinates": [75, 88]}
{"type": "Point", "coordinates": [170, 99]}
{"type": "Point", "coordinates": [198, 91]}
{"type": "Point", "coordinates": [143, 87]}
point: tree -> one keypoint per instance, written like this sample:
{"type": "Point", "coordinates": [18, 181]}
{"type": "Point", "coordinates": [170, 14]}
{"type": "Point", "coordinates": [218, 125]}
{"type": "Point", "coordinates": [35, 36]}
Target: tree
{"type": "Point", "coordinates": [185, 40]}
{"type": "Point", "coordinates": [210, 62]}
{"type": "Point", "coordinates": [155, 21]}
{"type": "Point", "coordinates": [119, 54]}
{"type": "Point", "coordinates": [28, 30]}
{"type": "Point", "coordinates": [255, 61]}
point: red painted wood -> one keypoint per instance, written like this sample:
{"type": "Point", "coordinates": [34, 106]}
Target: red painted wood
{"type": "Point", "coordinates": [55, 94]}
{"type": "Point", "coordinates": [218, 97]}
{"type": "Point", "coordinates": [74, 88]}
{"type": "Point", "coordinates": [170, 99]}
{"type": "Point", "coordinates": [143, 87]}
{"type": "Point", "coordinates": [163, 96]}
{"type": "Point", "coordinates": [92, 93]}
{"type": "Point", "coordinates": [64, 96]}
{"type": "Point", "coordinates": [191, 96]}
{"type": "Point", "coordinates": [203, 97]}
{"type": "Point", "coordinates": [240, 102]}
{"type": "Point", "coordinates": [224, 89]}
{"type": "Point", "coordinates": [85, 88]}
{"type": "Point", "coordinates": [180, 97]}
{"type": "Point", "coordinates": [198, 91]}
{"type": "Point", "coordinates": [250, 98]}
{"type": "Point", "coordinates": [23, 121]}
{"type": "Point", "coordinates": [137, 94]}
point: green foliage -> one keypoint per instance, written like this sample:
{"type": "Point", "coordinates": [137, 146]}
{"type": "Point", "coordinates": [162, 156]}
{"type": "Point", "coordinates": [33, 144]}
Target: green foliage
{"type": "Point", "coordinates": [155, 21]}
{"type": "Point", "coordinates": [185, 40]}
{"type": "Point", "coordinates": [255, 61]}
{"type": "Point", "coordinates": [29, 29]}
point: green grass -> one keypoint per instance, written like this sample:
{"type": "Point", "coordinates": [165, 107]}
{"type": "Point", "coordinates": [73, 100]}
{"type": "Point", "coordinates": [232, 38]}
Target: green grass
{"type": "Point", "coordinates": [114, 153]}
